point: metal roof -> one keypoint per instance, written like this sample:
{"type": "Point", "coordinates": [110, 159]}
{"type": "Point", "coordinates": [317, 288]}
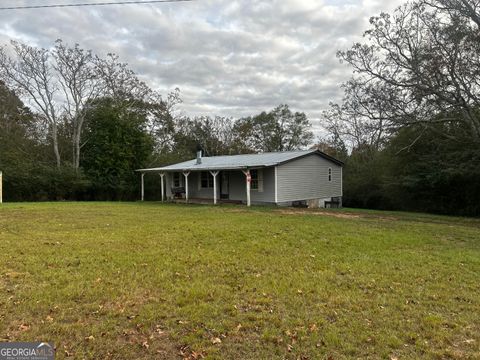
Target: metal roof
{"type": "Point", "coordinates": [232, 162]}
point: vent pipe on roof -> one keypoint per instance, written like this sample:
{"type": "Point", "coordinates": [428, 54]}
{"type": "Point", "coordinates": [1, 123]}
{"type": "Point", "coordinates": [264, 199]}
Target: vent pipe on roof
{"type": "Point", "coordinates": [199, 157]}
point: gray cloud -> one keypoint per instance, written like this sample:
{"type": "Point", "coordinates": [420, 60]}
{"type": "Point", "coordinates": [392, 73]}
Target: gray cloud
{"type": "Point", "coordinates": [228, 57]}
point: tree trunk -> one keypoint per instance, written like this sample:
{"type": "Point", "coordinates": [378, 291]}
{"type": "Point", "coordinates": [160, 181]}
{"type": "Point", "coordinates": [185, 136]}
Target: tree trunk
{"type": "Point", "coordinates": [74, 148]}
{"type": "Point", "coordinates": [77, 137]}
{"type": "Point", "coordinates": [55, 145]}
{"type": "Point", "coordinates": [77, 152]}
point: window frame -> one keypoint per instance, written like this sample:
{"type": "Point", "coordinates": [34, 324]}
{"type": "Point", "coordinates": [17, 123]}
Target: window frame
{"type": "Point", "coordinates": [330, 174]}
{"type": "Point", "coordinates": [208, 179]}
{"type": "Point", "coordinates": [254, 179]}
{"type": "Point", "coordinates": [175, 179]}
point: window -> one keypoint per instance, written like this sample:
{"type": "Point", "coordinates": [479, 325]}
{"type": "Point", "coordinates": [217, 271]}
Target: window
{"type": "Point", "coordinates": [254, 179]}
{"type": "Point", "coordinates": [329, 174]}
{"type": "Point", "coordinates": [176, 180]}
{"type": "Point", "coordinates": [256, 182]}
{"type": "Point", "coordinates": [206, 180]}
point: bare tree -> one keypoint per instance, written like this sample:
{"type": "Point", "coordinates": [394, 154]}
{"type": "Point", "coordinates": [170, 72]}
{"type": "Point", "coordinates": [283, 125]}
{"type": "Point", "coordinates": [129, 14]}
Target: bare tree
{"type": "Point", "coordinates": [363, 116]}
{"type": "Point", "coordinates": [121, 82]}
{"type": "Point", "coordinates": [31, 75]}
{"type": "Point", "coordinates": [426, 59]}
{"type": "Point", "coordinates": [465, 8]}
{"type": "Point", "coordinates": [81, 85]}
{"type": "Point", "coordinates": [64, 82]}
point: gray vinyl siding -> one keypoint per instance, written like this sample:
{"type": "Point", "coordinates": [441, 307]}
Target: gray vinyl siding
{"type": "Point", "coordinates": [238, 189]}
{"type": "Point", "coordinates": [307, 178]}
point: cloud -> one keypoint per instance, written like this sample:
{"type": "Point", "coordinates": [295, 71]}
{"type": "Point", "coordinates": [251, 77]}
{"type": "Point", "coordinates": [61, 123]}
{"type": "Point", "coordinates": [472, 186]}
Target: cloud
{"type": "Point", "coordinates": [228, 57]}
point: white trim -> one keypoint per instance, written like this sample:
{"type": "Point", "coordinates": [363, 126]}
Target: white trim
{"type": "Point", "coordinates": [247, 175]}
{"type": "Point", "coordinates": [276, 184]}
{"type": "Point", "coordinates": [185, 174]}
{"type": "Point", "coordinates": [214, 174]}
{"type": "Point", "coordinates": [162, 175]}
{"type": "Point", "coordinates": [341, 181]}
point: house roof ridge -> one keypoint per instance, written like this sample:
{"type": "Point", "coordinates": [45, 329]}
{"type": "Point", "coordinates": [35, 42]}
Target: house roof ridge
{"type": "Point", "coordinates": [241, 161]}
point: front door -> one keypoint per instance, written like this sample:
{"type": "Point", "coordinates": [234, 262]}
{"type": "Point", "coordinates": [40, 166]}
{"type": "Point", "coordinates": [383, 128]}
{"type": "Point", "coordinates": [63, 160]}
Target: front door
{"type": "Point", "coordinates": [224, 185]}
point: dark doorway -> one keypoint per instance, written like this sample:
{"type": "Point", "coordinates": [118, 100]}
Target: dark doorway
{"type": "Point", "coordinates": [224, 185]}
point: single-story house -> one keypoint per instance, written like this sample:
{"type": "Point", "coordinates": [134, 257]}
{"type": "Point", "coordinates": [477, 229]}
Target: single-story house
{"type": "Point", "coordinates": [308, 177]}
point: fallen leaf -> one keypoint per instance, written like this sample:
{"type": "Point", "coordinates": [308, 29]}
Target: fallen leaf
{"type": "Point", "coordinates": [145, 345]}
{"type": "Point", "coordinates": [90, 338]}
{"type": "Point", "coordinates": [67, 352]}
{"type": "Point", "coordinates": [196, 355]}
{"type": "Point", "coordinates": [24, 327]}
{"type": "Point", "coordinates": [49, 318]}
{"type": "Point", "coordinates": [216, 341]}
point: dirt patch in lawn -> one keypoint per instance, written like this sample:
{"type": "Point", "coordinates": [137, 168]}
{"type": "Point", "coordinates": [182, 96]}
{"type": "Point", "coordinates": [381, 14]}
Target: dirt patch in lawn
{"type": "Point", "coordinates": [320, 213]}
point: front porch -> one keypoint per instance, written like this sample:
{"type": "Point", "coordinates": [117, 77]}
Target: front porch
{"type": "Point", "coordinates": [209, 186]}
{"type": "Point", "coordinates": [205, 201]}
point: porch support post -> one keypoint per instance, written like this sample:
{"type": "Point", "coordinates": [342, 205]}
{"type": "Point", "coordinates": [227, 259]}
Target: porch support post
{"type": "Point", "coordinates": [186, 173]}
{"type": "Point", "coordinates": [214, 174]}
{"type": "Point", "coordinates": [248, 180]}
{"type": "Point", "coordinates": [143, 187]}
{"type": "Point", "coordinates": [162, 175]}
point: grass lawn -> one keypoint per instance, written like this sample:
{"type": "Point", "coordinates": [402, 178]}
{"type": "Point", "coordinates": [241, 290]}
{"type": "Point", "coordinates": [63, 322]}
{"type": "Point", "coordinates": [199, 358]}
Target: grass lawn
{"type": "Point", "coordinates": [153, 281]}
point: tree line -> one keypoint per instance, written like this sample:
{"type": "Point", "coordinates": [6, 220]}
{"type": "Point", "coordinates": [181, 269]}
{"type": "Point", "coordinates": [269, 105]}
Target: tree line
{"type": "Point", "coordinates": [410, 115]}
{"type": "Point", "coordinates": [74, 125]}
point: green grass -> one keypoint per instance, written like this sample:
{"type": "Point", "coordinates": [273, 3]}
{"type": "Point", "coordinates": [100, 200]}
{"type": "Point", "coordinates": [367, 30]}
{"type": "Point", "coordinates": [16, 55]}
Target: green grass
{"type": "Point", "coordinates": [144, 281]}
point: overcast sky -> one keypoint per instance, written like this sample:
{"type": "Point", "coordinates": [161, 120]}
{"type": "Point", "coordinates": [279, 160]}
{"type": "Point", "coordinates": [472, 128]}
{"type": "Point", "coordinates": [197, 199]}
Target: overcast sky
{"type": "Point", "coordinates": [228, 57]}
